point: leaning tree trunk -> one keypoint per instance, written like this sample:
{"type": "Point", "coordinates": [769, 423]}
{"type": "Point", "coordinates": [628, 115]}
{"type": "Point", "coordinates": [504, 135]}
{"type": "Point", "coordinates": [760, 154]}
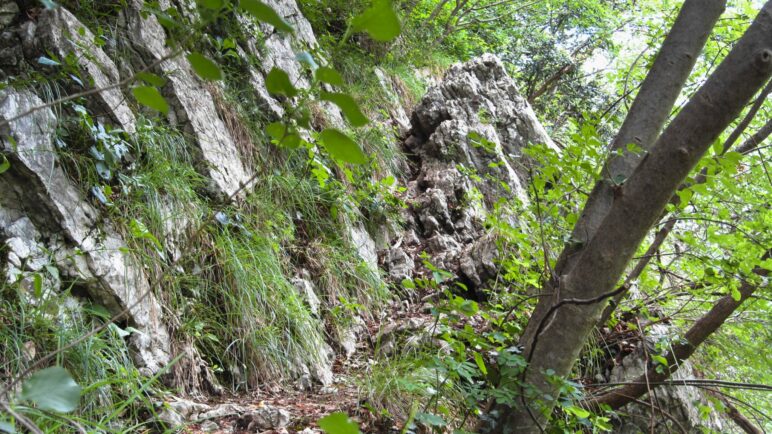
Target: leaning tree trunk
{"type": "Point", "coordinates": [586, 277]}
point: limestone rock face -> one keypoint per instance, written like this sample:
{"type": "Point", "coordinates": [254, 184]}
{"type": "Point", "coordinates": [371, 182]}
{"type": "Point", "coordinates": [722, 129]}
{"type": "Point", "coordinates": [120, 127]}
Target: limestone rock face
{"type": "Point", "coordinates": [193, 106]}
{"type": "Point", "coordinates": [467, 135]}
{"type": "Point", "coordinates": [89, 250]}
{"type": "Point", "coordinates": [60, 32]}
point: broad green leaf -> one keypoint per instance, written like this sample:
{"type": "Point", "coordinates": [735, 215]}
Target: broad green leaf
{"type": "Point", "coordinates": [204, 66]}
{"type": "Point", "coordinates": [150, 97]}
{"type": "Point", "coordinates": [151, 79]}
{"type": "Point", "coordinates": [430, 419]}
{"type": "Point", "coordinates": [266, 14]}
{"type": "Point", "coordinates": [4, 163]}
{"type": "Point", "coordinates": [480, 363]}
{"type": "Point", "coordinates": [659, 359]}
{"type": "Point", "coordinates": [52, 389]}
{"type": "Point", "coordinates": [338, 423]}
{"type": "Point", "coordinates": [276, 130]}
{"type": "Point", "coordinates": [329, 76]}
{"type": "Point", "coordinates": [578, 412]}
{"type": "Point", "coordinates": [341, 147]}
{"type": "Point", "coordinates": [278, 83]}
{"type": "Point", "coordinates": [379, 21]}
{"type": "Point", "coordinates": [348, 106]}
{"type": "Point", "coordinates": [283, 136]}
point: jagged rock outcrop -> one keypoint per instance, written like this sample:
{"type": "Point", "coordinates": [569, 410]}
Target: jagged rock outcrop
{"type": "Point", "coordinates": [467, 137]}
{"type": "Point", "coordinates": [87, 250]}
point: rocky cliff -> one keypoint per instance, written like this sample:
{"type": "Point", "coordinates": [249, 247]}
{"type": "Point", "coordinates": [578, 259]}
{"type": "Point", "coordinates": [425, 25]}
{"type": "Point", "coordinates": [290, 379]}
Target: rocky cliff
{"type": "Point", "coordinates": [232, 243]}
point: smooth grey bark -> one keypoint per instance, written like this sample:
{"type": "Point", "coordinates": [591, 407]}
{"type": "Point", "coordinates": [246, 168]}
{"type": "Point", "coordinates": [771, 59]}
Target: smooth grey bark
{"type": "Point", "coordinates": [554, 342]}
{"type": "Point", "coordinates": [651, 108]}
{"type": "Point", "coordinates": [701, 178]}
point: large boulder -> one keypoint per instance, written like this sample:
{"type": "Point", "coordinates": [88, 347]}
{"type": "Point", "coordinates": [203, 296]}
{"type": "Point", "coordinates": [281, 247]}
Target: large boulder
{"type": "Point", "coordinates": [467, 136]}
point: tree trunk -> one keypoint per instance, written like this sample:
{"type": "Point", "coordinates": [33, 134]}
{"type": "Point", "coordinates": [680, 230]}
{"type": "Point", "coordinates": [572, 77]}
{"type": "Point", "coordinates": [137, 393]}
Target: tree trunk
{"type": "Point", "coordinates": [561, 323]}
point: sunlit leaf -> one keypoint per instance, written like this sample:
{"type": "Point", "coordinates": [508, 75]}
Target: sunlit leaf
{"type": "Point", "coordinates": [150, 97]}
{"type": "Point", "coordinates": [52, 389]}
{"type": "Point", "coordinates": [4, 163]}
{"type": "Point", "coordinates": [348, 106]}
{"type": "Point", "coordinates": [338, 423]}
{"type": "Point", "coordinates": [578, 412]}
{"type": "Point", "coordinates": [379, 21]}
{"type": "Point", "coordinates": [341, 147]}
{"type": "Point", "coordinates": [263, 12]}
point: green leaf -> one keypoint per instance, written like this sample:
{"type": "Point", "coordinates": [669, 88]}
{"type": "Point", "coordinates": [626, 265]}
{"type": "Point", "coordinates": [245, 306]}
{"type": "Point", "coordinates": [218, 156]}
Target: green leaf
{"type": "Point", "coordinates": [37, 284]}
{"type": "Point", "coordinates": [348, 106]}
{"type": "Point", "coordinates": [283, 136]}
{"type": "Point", "coordinates": [214, 5]}
{"type": "Point", "coordinates": [4, 163]}
{"type": "Point", "coordinates": [263, 12]}
{"type": "Point", "coordinates": [341, 147]}
{"type": "Point", "coordinates": [277, 82]}
{"type": "Point", "coordinates": [578, 412]}
{"type": "Point", "coordinates": [430, 419]}
{"type": "Point", "coordinates": [150, 97]}
{"type": "Point", "coordinates": [480, 363]}
{"type": "Point", "coordinates": [659, 359]}
{"type": "Point", "coordinates": [379, 21]}
{"type": "Point", "coordinates": [204, 66]}
{"type": "Point", "coordinates": [736, 294]}
{"type": "Point", "coordinates": [329, 76]}
{"type": "Point", "coordinates": [338, 423]}
{"type": "Point", "coordinates": [276, 130]}
{"type": "Point", "coordinates": [151, 79]}
{"type": "Point", "coordinates": [52, 389]}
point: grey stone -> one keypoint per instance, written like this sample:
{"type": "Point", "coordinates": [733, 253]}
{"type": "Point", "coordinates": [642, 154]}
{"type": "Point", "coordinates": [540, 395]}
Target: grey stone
{"type": "Point", "coordinates": [11, 53]}
{"type": "Point", "coordinates": [400, 264]}
{"type": "Point", "coordinates": [467, 135]}
{"type": "Point", "coordinates": [360, 239]}
{"type": "Point", "coordinates": [209, 426]}
{"type": "Point", "coordinates": [195, 107]}
{"type": "Point", "coordinates": [61, 33]}
{"type": "Point", "coordinates": [111, 275]}
{"type": "Point", "coordinates": [8, 12]}
{"type": "Point", "coordinates": [307, 291]}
